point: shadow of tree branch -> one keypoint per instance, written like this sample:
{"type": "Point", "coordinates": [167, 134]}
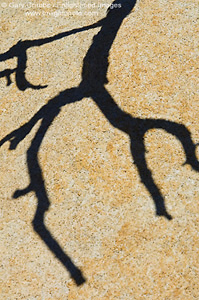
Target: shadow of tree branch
{"type": "Point", "coordinates": [94, 71]}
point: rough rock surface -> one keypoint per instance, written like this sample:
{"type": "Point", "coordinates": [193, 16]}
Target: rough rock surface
{"type": "Point", "coordinates": [101, 214]}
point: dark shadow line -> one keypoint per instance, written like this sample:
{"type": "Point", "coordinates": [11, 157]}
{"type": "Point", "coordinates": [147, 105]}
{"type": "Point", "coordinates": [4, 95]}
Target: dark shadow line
{"type": "Point", "coordinates": [6, 73]}
{"type": "Point", "coordinates": [94, 71]}
{"type": "Point", "coordinates": [38, 186]}
{"type": "Point", "coordinates": [20, 51]}
{"type": "Point", "coordinates": [37, 183]}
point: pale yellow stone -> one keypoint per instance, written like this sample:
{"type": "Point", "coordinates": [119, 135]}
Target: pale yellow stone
{"type": "Point", "coordinates": [101, 214]}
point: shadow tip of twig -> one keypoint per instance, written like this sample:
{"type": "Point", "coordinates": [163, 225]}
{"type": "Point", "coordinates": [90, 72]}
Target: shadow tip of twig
{"type": "Point", "coordinates": [166, 215]}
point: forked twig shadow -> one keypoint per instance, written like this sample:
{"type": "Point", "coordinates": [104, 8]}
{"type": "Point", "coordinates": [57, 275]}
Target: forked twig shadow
{"type": "Point", "coordinates": [95, 65]}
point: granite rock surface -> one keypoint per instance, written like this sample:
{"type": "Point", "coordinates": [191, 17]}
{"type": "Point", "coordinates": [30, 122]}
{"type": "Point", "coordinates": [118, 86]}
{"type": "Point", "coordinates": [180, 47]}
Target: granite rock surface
{"type": "Point", "coordinates": [100, 212]}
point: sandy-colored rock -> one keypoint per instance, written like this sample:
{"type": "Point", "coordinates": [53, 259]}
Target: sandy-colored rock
{"type": "Point", "coordinates": [101, 214]}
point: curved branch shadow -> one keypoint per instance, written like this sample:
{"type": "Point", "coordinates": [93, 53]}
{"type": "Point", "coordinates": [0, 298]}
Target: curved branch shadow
{"type": "Point", "coordinates": [20, 51]}
{"type": "Point", "coordinates": [95, 65]}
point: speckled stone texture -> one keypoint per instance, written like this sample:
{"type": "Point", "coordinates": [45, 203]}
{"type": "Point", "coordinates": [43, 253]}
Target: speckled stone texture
{"type": "Point", "coordinates": [101, 214]}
